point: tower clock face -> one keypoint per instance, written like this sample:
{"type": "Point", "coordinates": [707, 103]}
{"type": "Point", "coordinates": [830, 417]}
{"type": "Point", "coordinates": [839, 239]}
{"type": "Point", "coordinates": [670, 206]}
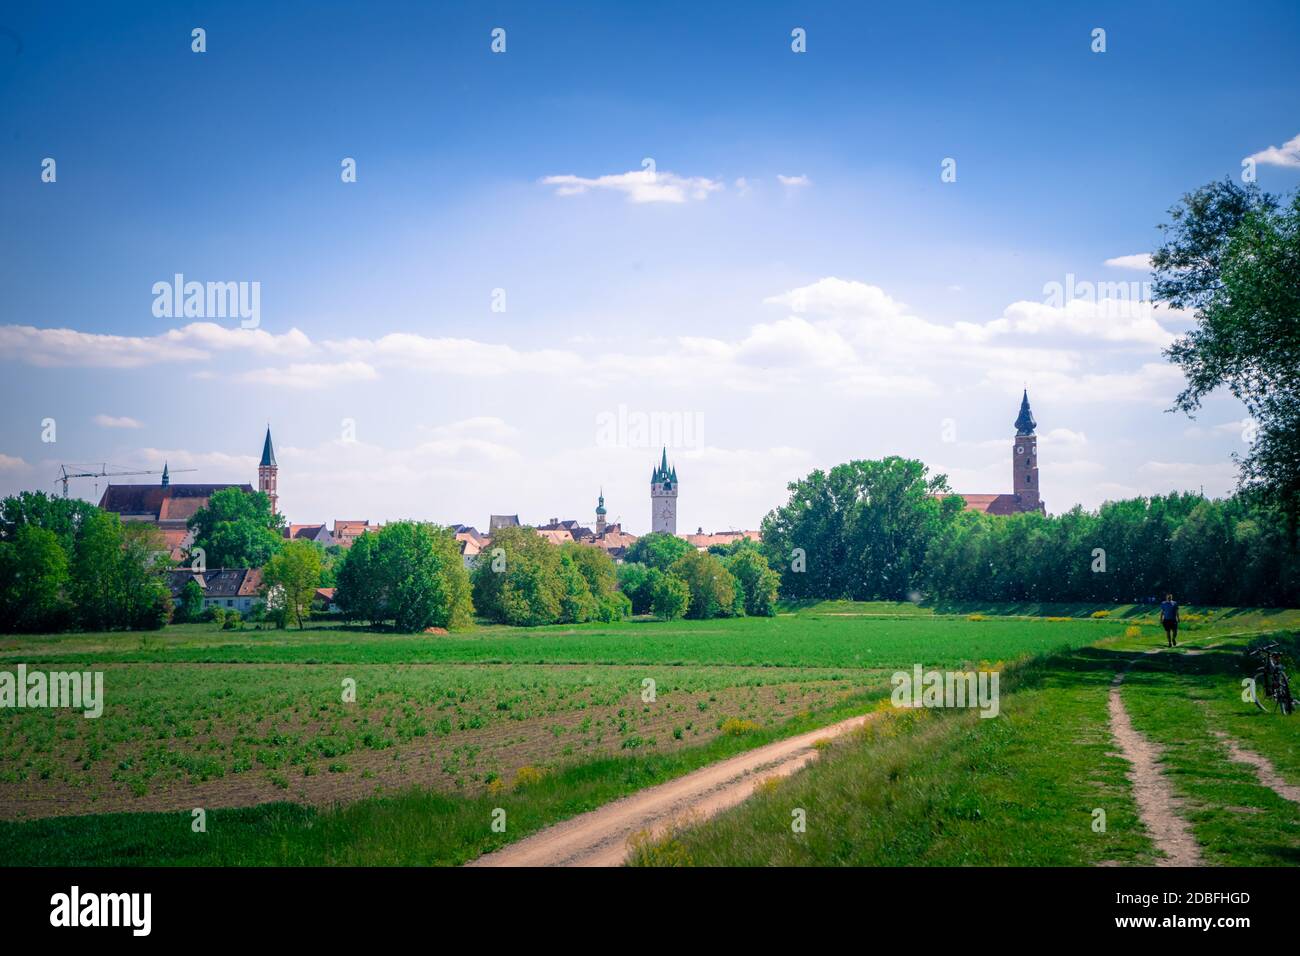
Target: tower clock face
{"type": "Point", "coordinates": [1020, 449]}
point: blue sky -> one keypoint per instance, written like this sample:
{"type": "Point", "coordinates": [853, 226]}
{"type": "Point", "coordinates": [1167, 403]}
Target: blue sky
{"type": "Point", "coordinates": [670, 294]}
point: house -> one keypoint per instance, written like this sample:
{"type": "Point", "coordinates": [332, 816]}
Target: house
{"type": "Point", "coordinates": [703, 542]}
{"type": "Point", "coordinates": [318, 533]}
{"type": "Point", "coordinates": [323, 600]}
{"type": "Point", "coordinates": [345, 532]}
{"type": "Point", "coordinates": [471, 546]}
{"type": "Point", "coordinates": [496, 522]}
{"type": "Point", "coordinates": [238, 589]}
{"type": "Point", "coordinates": [615, 541]}
{"type": "Point", "coordinates": [555, 536]}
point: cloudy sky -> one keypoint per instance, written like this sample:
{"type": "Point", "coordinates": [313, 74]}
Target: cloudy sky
{"type": "Point", "coordinates": [629, 226]}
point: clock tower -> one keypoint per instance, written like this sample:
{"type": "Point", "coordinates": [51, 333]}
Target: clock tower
{"type": "Point", "coordinates": [1024, 460]}
{"type": "Point", "coordinates": [663, 497]}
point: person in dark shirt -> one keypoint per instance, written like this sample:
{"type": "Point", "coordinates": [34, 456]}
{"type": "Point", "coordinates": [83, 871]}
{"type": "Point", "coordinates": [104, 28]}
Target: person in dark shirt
{"type": "Point", "coordinates": [1169, 618]}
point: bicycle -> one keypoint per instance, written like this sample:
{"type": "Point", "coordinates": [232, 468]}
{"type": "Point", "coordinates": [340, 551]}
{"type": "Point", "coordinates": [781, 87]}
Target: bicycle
{"type": "Point", "coordinates": [1272, 686]}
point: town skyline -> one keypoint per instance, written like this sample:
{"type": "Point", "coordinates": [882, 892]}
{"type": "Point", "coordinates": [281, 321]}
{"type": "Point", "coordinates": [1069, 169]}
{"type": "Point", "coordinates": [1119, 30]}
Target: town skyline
{"type": "Point", "coordinates": [788, 265]}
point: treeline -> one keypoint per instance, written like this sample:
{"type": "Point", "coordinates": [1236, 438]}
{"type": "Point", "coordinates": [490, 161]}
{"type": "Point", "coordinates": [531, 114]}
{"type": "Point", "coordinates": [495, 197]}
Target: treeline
{"type": "Point", "coordinates": [66, 564]}
{"type": "Point", "coordinates": [887, 530]}
{"type": "Point", "coordinates": [408, 574]}
{"type": "Point", "coordinates": [666, 576]}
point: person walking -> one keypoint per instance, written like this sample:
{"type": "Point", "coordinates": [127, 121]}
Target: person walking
{"type": "Point", "coordinates": [1169, 618]}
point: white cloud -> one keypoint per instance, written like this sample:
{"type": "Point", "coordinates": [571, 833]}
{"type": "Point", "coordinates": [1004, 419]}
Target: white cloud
{"type": "Point", "coordinates": [1288, 154]}
{"type": "Point", "coordinates": [1110, 320]}
{"type": "Point", "coordinates": [794, 181]}
{"type": "Point", "coordinates": [454, 356]}
{"type": "Point", "coordinates": [849, 337]}
{"type": "Point", "coordinates": [194, 342]}
{"type": "Point", "coordinates": [121, 421]}
{"type": "Point", "coordinates": [1151, 383]}
{"type": "Point", "coordinates": [10, 463]}
{"type": "Point", "coordinates": [640, 186]}
{"type": "Point", "coordinates": [1062, 436]}
{"type": "Point", "coordinates": [1140, 261]}
{"type": "Point", "coordinates": [310, 375]}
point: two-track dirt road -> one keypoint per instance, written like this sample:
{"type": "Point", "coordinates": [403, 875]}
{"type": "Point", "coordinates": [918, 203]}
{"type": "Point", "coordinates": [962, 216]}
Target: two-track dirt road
{"type": "Point", "coordinates": [600, 837]}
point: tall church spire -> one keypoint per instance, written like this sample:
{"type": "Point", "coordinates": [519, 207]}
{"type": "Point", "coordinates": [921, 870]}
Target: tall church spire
{"type": "Point", "coordinates": [1025, 423]}
{"type": "Point", "coordinates": [268, 450]}
{"type": "Point", "coordinates": [166, 479]}
{"type": "Point", "coordinates": [268, 472]}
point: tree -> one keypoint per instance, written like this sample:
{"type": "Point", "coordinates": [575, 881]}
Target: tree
{"type": "Point", "coordinates": [657, 550]}
{"type": "Point", "coordinates": [361, 588]}
{"type": "Point", "coordinates": [1232, 254]}
{"type": "Point", "coordinates": [63, 516]}
{"type": "Point", "coordinates": [294, 572]}
{"type": "Point", "coordinates": [757, 581]}
{"type": "Point", "coordinates": [191, 606]}
{"type": "Point", "coordinates": [34, 581]}
{"type": "Point", "coordinates": [410, 573]}
{"type": "Point", "coordinates": [424, 576]}
{"type": "Point", "coordinates": [517, 581]}
{"type": "Point", "coordinates": [237, 529]}
{"type": "Point", "coordinates": [96, 572]}
{"type": "Point", "coordinates": [596, 566]}
{"type": "Point", "coordinates": [637, 582]}
{"type": "Point", "coordinates": [711, 586]}
{"type": "Point", "coordinates": [859, 531]}
{"type": "Point", "coordinates": [146, 601]}
{"type": "Point", "coordinates": [671, 597]}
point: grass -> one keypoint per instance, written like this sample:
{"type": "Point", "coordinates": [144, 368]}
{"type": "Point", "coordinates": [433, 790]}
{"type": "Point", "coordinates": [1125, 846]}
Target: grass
{"type": "Point", "coordinates": [947, 788]}
{"type": "Point", "coordinates": [548, 722]}
{"type": "Point", "coordinates": [410, 828]}
{"type": "Point", "coordinates": [1178, 701]}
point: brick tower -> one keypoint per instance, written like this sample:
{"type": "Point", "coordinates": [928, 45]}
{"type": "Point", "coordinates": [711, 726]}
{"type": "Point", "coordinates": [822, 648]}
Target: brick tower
{"type": "Point", "coordinates": [267, 471]}
{"type": "Point", "coordinates": [1024, 460]}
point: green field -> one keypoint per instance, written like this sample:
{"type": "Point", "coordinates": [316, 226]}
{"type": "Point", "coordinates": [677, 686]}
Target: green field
{"type": "Point", "coordinates": [947, 788]}
{"type": "Point", "coordinates": [252, 726]}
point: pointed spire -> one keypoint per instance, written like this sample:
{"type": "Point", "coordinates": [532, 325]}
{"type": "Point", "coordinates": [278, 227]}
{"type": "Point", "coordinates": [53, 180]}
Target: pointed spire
{"type": "Point", "coordinates": [167, 479]}
{"type": "Point", "coordinates": [1025, 423]}
{"type": "Point", "coordinates": [663, 472]}
{"type": "Point", "coordinates": [268, 452]}
{"type": "Point", "coordinates": [600, 505]}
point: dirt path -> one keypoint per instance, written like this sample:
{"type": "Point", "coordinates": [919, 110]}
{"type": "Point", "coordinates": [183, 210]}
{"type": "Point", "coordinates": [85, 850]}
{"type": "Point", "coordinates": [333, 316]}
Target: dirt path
{"type": "Point", "coordinates": [1264, 770]}
{"type": "Point", "coordinates": [600, 837]}
{"type": "Point", "coordinates": [1157, 804]}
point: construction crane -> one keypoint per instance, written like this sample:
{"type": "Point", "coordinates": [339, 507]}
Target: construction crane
{"type": "Point", "coordinates": [105, 473]}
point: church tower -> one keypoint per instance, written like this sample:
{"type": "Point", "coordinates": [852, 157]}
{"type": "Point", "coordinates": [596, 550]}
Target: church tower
{"type": "Point", "coordinates": [663, 497]}
{"type": "Point", "coordinates": [267, 471]}
{"type": "Point", "coordinates": [1024, 460]}
{"type": "Point", "coordinates": [600, 514]}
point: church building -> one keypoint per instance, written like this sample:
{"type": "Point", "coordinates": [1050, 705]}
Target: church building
{"type": "Point", "coordinates": [1024, 472]}
{"type": "Point", "coordinates": [169, 506]}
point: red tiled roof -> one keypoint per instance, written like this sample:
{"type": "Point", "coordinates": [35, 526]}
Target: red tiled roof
{"type": "Point", "coordinates": [721, 537]}
{"type": "Point", "coordinates": [165, 503]}
{"type": "Point", "coordinates": [991, 504]}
